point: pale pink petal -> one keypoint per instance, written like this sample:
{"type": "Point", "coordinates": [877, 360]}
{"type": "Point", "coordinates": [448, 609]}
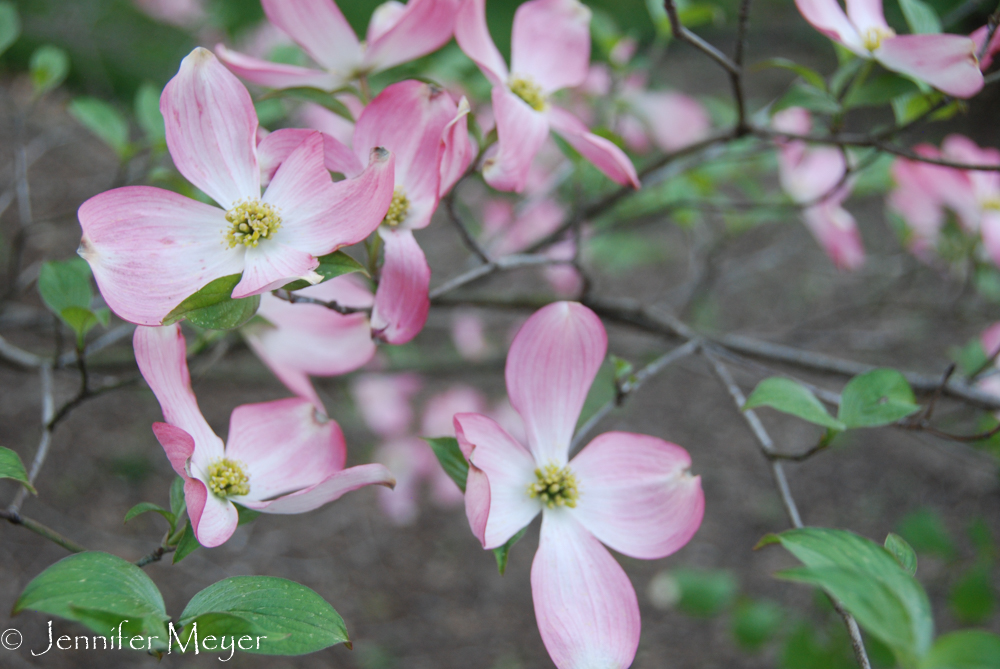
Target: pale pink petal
{"type": "Point", "coordinates": [404, 459]}
{"type": "Point", "coordinates": [521, 131]}
{"type": "Point", "coordinates": [636, 495]}
{"type": "Point", "coordinates": [829, 18]}
{"type": "Point", "coordinates": [458, 150]}
{"type": "Point", "coordinates": [676, 120]}
{"type": "Point", "coordinates": [285, 445]}
{"type": "Point", "coordinates": [214, 519]}
{"type": "Point", "coordinates": [550, 368]}
{"type": "Point", "coordinates": [333, 487]}
{"type": "Point", "coordinates": [467, 333]}
{"type": "Point", "coordinates": [276, 75]}
{"type": "Point", "coordinates": [534, 222]}
{"type": "Point", "coordinates": [985, 184]}
{"type": "Point", "coordinates": [603, 153]}
{"type": "Point", "coordinates": [946, 62]}
{"type": "Point", "coordinates": [440, 410]}
{"type": "Point", "coordinates": [178, 445]}
{"type": "Point", "coordinates": [508, 469]}
{"type": "Point", "coordinates": [979, 37]}
{"type": "Point", "coordinates": [320, 118]}
{"type": "Point", "coordinates": [794, 121]}
{"type": "Point", "coordinates": [473, 37]}
{"type": "Point", "coordinates": [990, 230]}
{"type": "Point", "coordinates": [401, 300]}
{"type": "Point", "coordinates": [150, 249]}
{"type": "Point", "coordinates": [585, 606]}
{"type": "Point", "coordinates": [272, 265]}
{"type": "Point", "coordinates": [550, 43]}
{"type": "Point", "coordinates": [398, 34]}
{"type": "Point", "coordinates": [318, 27]}
{"type": "Point", "coordinates": [565, 279]}
{"type": "Point", "coordinates": [276, 147]}
{"type": "Point", "coordinates": [866, 15]}
{"type": "Point", "coordinates": [384, 402]}
{"type": "Point", "coordinates": [320, 216]}
{"type": "Point", "coordinates": [836, 231]}
{"type": "Point", "coordinates": [477, 502]}
{"type": "Point", "coordinates": [338, 157]}
{"type": "Point", "coordinates": [990, 339]}
{"type": "Point", "coordinates": [161, 356]}
{"type": "Point", "coordinates": [212, 129]}
{"type": "Point", "coordinates": [810, 173]}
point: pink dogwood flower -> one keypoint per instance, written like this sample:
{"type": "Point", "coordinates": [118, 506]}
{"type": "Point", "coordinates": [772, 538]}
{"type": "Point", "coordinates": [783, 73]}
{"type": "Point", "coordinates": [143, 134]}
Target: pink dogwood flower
{"type": "Point", "coordinates": [150, 249]}
{"type": "Point", "coordinates": [384, 402]}
{"type": "Point", "coordinates": [946, 62]}
{"type": "Point", "coordinates": [631, 492]}
{"type": "Point", "coordinates": [814, 177]}
{"type": "Point", "coordinates": [281, 457]}
{"type": "Point", "coordinates": [979, 37]}
{"type": "Point", "coordinates": [550, 50]}
{"type": "Point", "coordinates": [397, 34]}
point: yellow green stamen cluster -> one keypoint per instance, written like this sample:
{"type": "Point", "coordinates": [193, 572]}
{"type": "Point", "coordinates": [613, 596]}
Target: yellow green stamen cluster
{"type": "Point", "coordinates": [529, 91]}
{"type": "Point", "coordinates": [251, 221]}
{"type": "Point", "coordinates": [227, 478]}
{"type": "Point", "coordinates": [399, 208]}
{"type": "Point", "coordinates": [993, 203]}
{"type": "Point", "coordinates": [874, 36]}
{"type": "Point", "coordinates": [554, 487]}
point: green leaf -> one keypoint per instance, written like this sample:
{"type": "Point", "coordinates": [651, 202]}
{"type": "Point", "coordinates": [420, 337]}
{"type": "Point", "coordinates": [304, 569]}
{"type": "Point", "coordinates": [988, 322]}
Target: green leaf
{"type": "Point", "coordinates": [972, 598]}
{"type": "Point", "coordinates": [146, 507]}
{"type": "Point", "coordinates": [245, 515]}
{"type": "Point", "coordinates": [93, 588]}
{"type": "Point", "coordinates": [187, 544]}
{"type": "Point", "coordinates": [884, 598]}
{"type": "Point", "coordinates": [811, 76]}
{"type": "Point", "coordinates": [755, 622]}
{"type": "Point", "coordinates": [792, 398]}
{"type": "Point", "coordinates": [49, 66]}
{"type": "Point", "coordinates": [214, 308]}
{"type": "Point", "coordinates": [808, 96]}
{"type": "Point", "coordinates": [331, 266]}
{"type": "Point", "coordinates": [503, 552]}
{"type": "Point", "coordinates": [295, 618]}
{"type": "Point", "coordinates": [970, 358]}
{"type": "Point", "coordinates": [806, 648]}
{"type": "Point", "coordinates": [913, 105]}
{"type": "Point", "coordinates": [921, 17]}
{"type": "Point", "coordinates": [11, 467]}
{"type": "Point", "coordinates": [147, 112]}
{"type": "Point", "coordinates": [177, 505]}
{"type": "Point", "coordinates": [80, 320]}
{"type": "Point", "coordinates": [903, 552]}
{"type": "Point", "coordinates": [704, 593]}
{"type": "Point", "coordinates": [65, 284]}
{"type": "Point", "coordinates": [879, 90]}
{"type": "Point", "coordinates": [927, 533]}
{"type": "Point", "coordinates": [103, 120]}
{"type": "Point", "coordinates": [316, 96]}
{"type": "Point", "coordinates": [967, 649]}
{"type": "Point", "coordinates": [879, 397]}
{"type": "Point", "coordinates": [10, 25]}
{"type": "Point", "coordinates": [150, 628]}
{"type": "Point", "coordinates": [451, 458]}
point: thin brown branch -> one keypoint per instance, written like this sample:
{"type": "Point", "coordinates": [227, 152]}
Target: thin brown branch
{"type": "Point", "coordinates": [684, 35]}
{"type": "Point", "coordinates": [503, 263]}
{"type": "Point", "coordinates": [463, 231]}
{"type": "Point", "coordinates": [333, 305]}
{"type": "Point", "coordinates": [154, 556]}
{"type": "Point", "coordinates": [15, 518]}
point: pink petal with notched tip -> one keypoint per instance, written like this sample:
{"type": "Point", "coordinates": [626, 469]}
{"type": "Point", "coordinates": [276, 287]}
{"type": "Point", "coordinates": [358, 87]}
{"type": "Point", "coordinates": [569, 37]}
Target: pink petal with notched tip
{"type": "Point", "coordinates": [400, 33]}
{"type": "Point", "coordinates": [829, 18]}
{"type": "Point", "coordinates": [837, 232]}
{"type": "Point", "coordinates": [150, 249]}
{"type": "Point", "coordinates": [505, 470]}
{"type": "Point", "coordinates": [585, 606]}
{"type": "Point", "coordinates": [603, 153]}
{"type": "Point", "coordinates": [866, 15]}
{"type": "Point", "coordinates": [286, 446]}
{"type": "Point", "coordinates": [401, 300]}
{"type": "Point", "coordinates": [320, 28]}
{"type": "Point", "coordinates": [275, 75]}
{"type": "Point", "coordinates": [271, 265]}
{"type": "Point", "coordinates": [521, 131]}
{"type": "Point", "coordinates": [332, 488]}
{"type": "Point", "coordinates": [213, 519]}
{"type": "Point", "coordinates": [550, 43]}
{"type": "Point", "coordinates": [211, 128]}
{"type": "Point", "coordinates": [946, 62]}
{"type": "Point", "coordinates": [550, 368]}
{"type": "Point", "coordinates": [458, 149]}
{"type": "Point", "coordinates": [473, 37]}
{"type": "Point", "coordinates": [161, 355]}
{"type": "Point", "coordinates": [637, 496]}
{"type": "Point", "coordinates": [178, 445]}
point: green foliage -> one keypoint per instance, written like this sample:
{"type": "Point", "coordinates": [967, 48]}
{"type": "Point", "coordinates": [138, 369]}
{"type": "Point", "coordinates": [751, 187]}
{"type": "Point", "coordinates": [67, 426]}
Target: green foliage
{"type": "Point", "coordinates": [148, 115]}
{"type": "Point", "coordinates": [879, 397]}
{"type": "Point", "coordinates": [793, 398]}
{"type": "Point", "coordinates": [970, 358]}
{"type": "Point", "coordinates": [927, 533]}
{"type": "Point", "coordinates": [802, 94]}
{"type": "Point", "coordinates": [95, 589]}
{"type": "Point", "coordinates": [879, 90]}
{"type": "Point", "coordinates": [146, 507]}
{"type": "Point", "coordinates": [967, 649]}
{"type": "Point", "coordinates": [316, 96]}
{"type": "Point", "coordinates": [451, 458]}
{"type": "Point", "coordinates": [755, 622]}
{"type": "Point", "coordinates": [921, 17]}
{"type": "Point", "coordinates": [65, 289]}
{"type": "Point", "coordinates": [809, 75]}
{"type": "Point", "coordinates": [104, 121]}
{"type": "Point", "coordinates": [704, 593]}
{"type": "Point", "coordinates": [187, 543]}
{"type": "Point", "coordinates": [177, 504]}
{"type": "Point", "coordinates": [48, 66]}
{"type": "Point", "coordinates": [331, 266]}
{"type": "Point", "coordinates": [11, 467]}
{"type": "Point", "coordinates": [213, 306]}
{"type": "Point", "coordinates": [972, 598]}
{"type": "Point", "coordinates": [10, 25]}
{"type": "Point", "coordinates": [295, 619]}
{"type": "Point", "coordinates": [501, 554]}
{"type": "Point", "coordinates": [619, 252]}
{"type": "Point", "coordinates": [805, 648]}
{"type": "Point", "coordinates": [903, 552]}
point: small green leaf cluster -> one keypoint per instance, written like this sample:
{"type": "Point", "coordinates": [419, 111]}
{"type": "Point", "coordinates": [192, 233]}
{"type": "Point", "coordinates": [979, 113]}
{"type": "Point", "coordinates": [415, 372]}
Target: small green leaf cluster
{"type": "Point", "coordinates": [66, 290]}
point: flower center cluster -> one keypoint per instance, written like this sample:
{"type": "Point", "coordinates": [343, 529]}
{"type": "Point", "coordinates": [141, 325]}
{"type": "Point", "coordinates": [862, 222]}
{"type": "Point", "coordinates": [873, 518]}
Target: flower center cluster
{"type": "Point", "coordinates": [226, 478]}
{"type": "Point", "coordinates": [874, 36]}
{"type": "Point", "coordinates": [398, 209]}
{"type": "Point", "coordinates": [992, 203]}
{"type": "Point", "coordinates": [554, 487]}
{"type": "Point", "coordinates": [529, 91]}
{"type": "Point", "coordinates": [251, 221]}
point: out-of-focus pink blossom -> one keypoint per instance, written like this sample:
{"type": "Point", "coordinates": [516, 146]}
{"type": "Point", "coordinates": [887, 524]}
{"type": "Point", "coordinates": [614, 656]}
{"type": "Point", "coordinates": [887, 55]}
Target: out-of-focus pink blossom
{"type": "Point", "coordinates": [631, 492]}
{"type": "Point", "coordinates": [183, 13]}
{"type": "Point", "coordinates": [150, 249]}
{"type": "Point", "coordinates": [384, 402]}
{"type": "Point", "coordinates": [397, 34]}
{"type": "Point", "coordinates": [282, 457]}
{"type": "Point", "coordinates": [550, 50]}
{"type": "Point", "coordinates": [467, 333]}
{"type": "Point", "coordinates": [814, 177]}
{"type": "Point", "coordinates": [947, 62]}
{"type": "Point", "coordinates": [979, 37]}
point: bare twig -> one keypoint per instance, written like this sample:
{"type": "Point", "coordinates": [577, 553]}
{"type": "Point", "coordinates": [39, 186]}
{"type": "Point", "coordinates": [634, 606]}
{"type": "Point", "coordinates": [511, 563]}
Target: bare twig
{"type": "Point", "coordinates": [736, 78]}
{"type": "Point", "coordinates": [15, 518]}
{"type": "Point", "coordinates": [155, 556]}
{"type": "Point", "coordinates": [463, 231]}
{"type": "Point", "coordinates": [684, 35]}
{"type": "Point", "coordinates": [48, 414]}
{"type": "Point", "coordinates": [500, 264]}
{"type": "Point", "coordinates": [294, 298]}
